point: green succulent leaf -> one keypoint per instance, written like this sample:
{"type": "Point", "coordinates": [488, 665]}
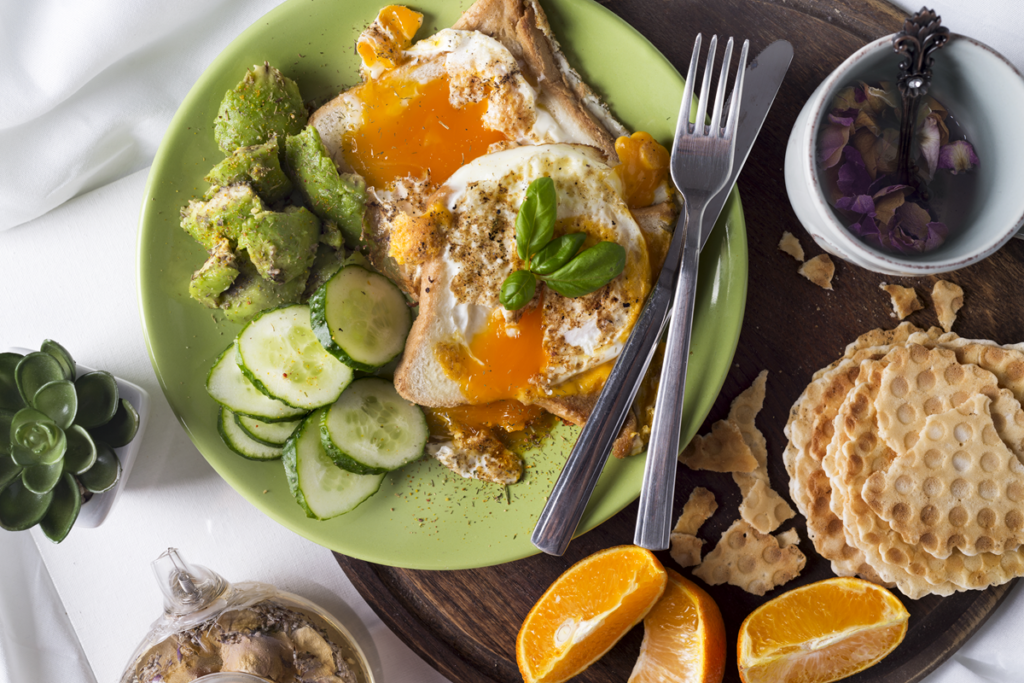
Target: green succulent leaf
{"type": "Point", "coordinates": [121, 429]}
{"type": "Point", "coordinates": [63, 511]}
{"type": "Point", "coordinates": [6, 417]}
{"type": "Point", "coordinates": [36, 439]}
{"type": "Point", "coordinates": [81, 452]}
{"type": "Point", "coordinates": [21, 509]}
{"type": "Point", "coordinates": [517, 289]}
{"type": "Point", "coordinates": [104, 472]}
{"type": "Point", "coordinates": [10, 397]}
{"type": "Point", "coordinates": [61, 355]}
{"type": "Point", "coordinates": [558, 252]}
{"type": "Point", "coordinates": [42, 478]}
{"type": "Point", "coordinates": [590, 271]}
{"type": "Point", "coordinates": [35, 370]}
{"type": "Point", "coordinates": [97, 399]}
{"type": "Point", "coordinates": [9, 470]}
{"type": "Point", "coordinates": [535, 223]}
{"type": "Point", "coordinates": [58, 401]}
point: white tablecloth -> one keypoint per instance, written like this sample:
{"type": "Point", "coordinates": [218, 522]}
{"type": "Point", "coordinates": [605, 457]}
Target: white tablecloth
{"type": "Point", "coordinates": [88, 89]}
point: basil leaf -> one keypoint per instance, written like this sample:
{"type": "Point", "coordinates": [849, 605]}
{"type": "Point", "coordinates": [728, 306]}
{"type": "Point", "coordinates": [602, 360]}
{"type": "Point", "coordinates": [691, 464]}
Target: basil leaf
{"type": "Point", "coordinates": [557, 253]}
{"type": "Point", "coordinates": [517, 290]}
{"type": "Point", "coordinates": [535, 224]}
{"type": "Point", "coordinates": [590, 271]}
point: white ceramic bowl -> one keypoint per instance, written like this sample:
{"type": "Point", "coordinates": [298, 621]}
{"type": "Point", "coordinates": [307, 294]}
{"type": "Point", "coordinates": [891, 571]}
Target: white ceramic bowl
{"type": "Point", "coordinates": [976, 84]}
{"type": "Point", "coordinates": [96, 509]}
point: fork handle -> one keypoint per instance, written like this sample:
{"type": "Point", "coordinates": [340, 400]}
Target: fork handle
{"type": "Point", "coordinates": [564, 510]}
{"type": "Point", "coordinates": [654, 517]}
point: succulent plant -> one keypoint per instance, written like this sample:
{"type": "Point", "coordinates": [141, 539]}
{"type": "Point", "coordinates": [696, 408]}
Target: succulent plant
{"type": "Point", "coordinates": [58, 433]}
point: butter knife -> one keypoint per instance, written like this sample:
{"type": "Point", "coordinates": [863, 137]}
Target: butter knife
{"type": "Point", "coordinates": [569, 497]}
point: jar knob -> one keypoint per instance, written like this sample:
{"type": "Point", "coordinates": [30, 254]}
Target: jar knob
{"type": "Point", "coordinates": [186, 587]}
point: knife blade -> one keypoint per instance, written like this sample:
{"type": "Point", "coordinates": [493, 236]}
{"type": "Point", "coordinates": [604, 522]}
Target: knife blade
{"type": "Point", "coordinates": [571, 492]}
{"type": "Point", "coordinates": [761, 84]}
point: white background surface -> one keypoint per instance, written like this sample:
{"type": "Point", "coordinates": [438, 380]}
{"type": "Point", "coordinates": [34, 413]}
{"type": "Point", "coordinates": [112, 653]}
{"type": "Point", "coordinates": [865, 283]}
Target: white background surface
{"type": "Point", "coordinates": [88, 89]}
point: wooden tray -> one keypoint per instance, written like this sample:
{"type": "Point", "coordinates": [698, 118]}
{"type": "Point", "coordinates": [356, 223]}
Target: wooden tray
{"type": "Point", "coordinates": [465, 623]}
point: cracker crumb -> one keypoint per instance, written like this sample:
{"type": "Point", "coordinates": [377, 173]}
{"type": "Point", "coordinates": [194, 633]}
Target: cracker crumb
{"type": "Point", "coordinates": [819, 270]}
{"type": "Point", "coordinates": [948, 299]}
{"type": "Point", "coordinates": [791, 245]}
{"type": "Point", "coordinates": [685, 549]}
{"type": "Point", "coordinates": [698, 508]}
{"type": "Point", "coordinates": [723, 450]}
{"type": "Point", "coordinates": [788, 538]}
{"type": "Point", "coordinates": [904, 299]}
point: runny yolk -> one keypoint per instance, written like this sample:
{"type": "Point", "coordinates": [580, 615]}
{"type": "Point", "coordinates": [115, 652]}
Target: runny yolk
{"type": "Point", "coordinates": [500, 367]}
{"type": "Point", "coordinates": [508, 415]}
{"type": "Point", "coordinates": [643, 166]}
{"type": "Point", "coordinates": [408, 128]}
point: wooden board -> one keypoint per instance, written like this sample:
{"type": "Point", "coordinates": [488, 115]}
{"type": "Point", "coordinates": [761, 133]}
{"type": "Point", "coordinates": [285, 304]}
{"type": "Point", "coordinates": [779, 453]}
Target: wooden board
{"type": "Point", "coordinates": [465, 623]}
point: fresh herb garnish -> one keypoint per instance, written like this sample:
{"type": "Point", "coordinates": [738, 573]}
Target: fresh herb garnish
{"type": "Point", "coordinates": [555, 260]}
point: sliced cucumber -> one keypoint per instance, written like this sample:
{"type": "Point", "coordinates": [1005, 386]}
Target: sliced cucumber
{"type": "Point", "coordinates": [371, 429]}
{"type": "Point", "coordinates": [269, 433]}
{"type": "Point", "coordinates": [281, 356]}
{"type": "Point", "coordinates": [241, 443]}
{"type": "Point", "coordinates": [229, 387]}
{"type": "Point", "coordinates": [323, 489]}
{"type": "Point", "coordinates": [361, 317]}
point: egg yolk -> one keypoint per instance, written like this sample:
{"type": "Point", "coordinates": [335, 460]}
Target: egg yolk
{"type": "Point", "coordinates": [499, 366]}
{"type": "Point", "coordinates": [643, 166]}
{"type": "Point", "coordinates": [409, 128]}
{"type": "Point", "coordinates": [398, 25]}
{"type": "Point", "coordinates": [508, 415]}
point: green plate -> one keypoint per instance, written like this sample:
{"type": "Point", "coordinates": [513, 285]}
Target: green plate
{"type": "Point", "coordinates": [424, 516]}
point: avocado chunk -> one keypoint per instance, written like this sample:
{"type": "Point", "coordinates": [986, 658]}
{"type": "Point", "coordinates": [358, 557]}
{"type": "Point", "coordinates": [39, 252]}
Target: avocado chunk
{"type": "Point", "coordinates": [216, 275]}
{"type": "Point", "coordinates": [257, 165]}
{"type": "Point", "coordinates": [331, 235]}
{"type": "Point", "coordinates": [281, 244]}
{"type": "Point", "coordinates": [330, 195]}
{"type": "Point", "coordinates": [224, 215]}
{"type": "Point", "coordinates": [251, 294]}
{"type": "Point", "coordinates": [264, 104]}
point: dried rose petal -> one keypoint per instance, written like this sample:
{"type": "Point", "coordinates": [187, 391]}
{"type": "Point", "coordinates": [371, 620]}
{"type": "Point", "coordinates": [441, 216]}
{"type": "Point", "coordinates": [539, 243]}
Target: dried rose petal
{"type": "Point", "coordinates": [877, 99]}
{"type": "Point", "coordinates": [865, 119]}
{"type": "Point", "coordinates": [912, 229]}
{"type": "Point", "coordinates": [929, 139]}
{"type": "Point", "coordinates": [886, 149]}
{"type": "Point", "coordinates": [886, 203]}
{"type": "Point", "coordinates": [853, 178]}
{"type": "Point", "coordinates": [958, 156]}
{"type": "Point", "coordinates": [833, 140]}
{"type": "Point", "coordinates": [861, 204]}
{"type": "Point", "coordinates": [845, 99]}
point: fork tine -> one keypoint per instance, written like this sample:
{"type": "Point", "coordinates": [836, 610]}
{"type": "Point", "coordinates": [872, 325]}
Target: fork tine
{"type": "Point", "coordinates": [683, 124]}
{"type": "Point", "coordinates": [716, 117]}
{"type": "Point", "coordinates": [737, 92]}
{"type": "Point", "coordinates": [705, 86]}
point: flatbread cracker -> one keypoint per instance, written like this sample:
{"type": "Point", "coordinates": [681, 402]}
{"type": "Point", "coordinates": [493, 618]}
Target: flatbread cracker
{"type": "Point", "coordinates": [791, 245]}
{"type": "Point", "coordinates": [819, 270]}
{"type": "Point", "coordinates": [948, 299]}
{"type": "Point", "coordinates": [753, 561]}
{"type": "Point", "coordinates": [904, 299]}
{"type": "Point", "coordinates": [723, 450]}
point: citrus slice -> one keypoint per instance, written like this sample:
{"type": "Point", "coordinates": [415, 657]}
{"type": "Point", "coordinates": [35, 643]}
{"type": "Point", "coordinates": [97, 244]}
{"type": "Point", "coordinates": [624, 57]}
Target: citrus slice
{"type": "Point", "coordinates": [684, 637]}
{"type": "Point", "coordinates": [585, 612]}
{"type": "Point", "coordinates": [821, 632]}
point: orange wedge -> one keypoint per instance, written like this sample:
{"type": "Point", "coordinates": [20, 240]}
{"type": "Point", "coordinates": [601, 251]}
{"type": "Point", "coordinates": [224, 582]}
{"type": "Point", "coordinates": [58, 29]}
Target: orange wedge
{"type": "Point", "coordinates": [585, 612]}
{"type": "Point", "coordinates": [821, 632]}
{"type": "Point", "coordinates": [684, 637]}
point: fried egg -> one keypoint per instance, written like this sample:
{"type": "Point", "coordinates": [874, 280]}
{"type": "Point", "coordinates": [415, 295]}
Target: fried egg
{"type": "Point", "coordinates": [465, 348]}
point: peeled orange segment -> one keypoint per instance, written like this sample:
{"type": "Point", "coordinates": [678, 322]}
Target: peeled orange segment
{"type": "Point", "coordinates": [585, 612]}
{"type": "Point", "coordinates": [684, 637]}
{"type": "Point", "coordinates": [821, 632]}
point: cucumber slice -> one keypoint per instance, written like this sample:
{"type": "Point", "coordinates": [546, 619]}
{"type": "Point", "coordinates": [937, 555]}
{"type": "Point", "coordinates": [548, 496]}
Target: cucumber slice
{"type": "Point", "coordinates": [372, 430]}
{"type": "Point", "coordinates": [323, 489]}
{"type": "Point", "coordinates": [280, 356]}
{"type": "Point", "coordinates": [229, 387]}
{"type": "Point", "coordinates": [269, 433]}
{"type": "Point", "coordinates": [361, 317]}
{"type": "Point", "coordinates": [240, 442]}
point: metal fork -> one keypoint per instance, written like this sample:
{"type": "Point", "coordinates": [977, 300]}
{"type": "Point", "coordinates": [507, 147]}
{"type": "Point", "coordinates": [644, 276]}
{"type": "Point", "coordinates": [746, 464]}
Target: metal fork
{"type": "Point", "coordinates": [568, 500]}
{"type": "Point", "coordinates": [702, 159]}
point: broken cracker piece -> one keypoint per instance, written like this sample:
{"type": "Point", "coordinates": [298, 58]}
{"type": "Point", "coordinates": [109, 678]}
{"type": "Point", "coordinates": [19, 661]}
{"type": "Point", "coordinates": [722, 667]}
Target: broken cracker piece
{"type": "Point", "coordinates": [698, 508]}
{"type": "Point", "coordinates": [791, 245]}
{"type": "Point", "coordinates": [904, 299]}
{"type": "Point", "coordinates": [763, 508]}
{"type": "Point", "coordinates": [788, 538]}
{"type": "Point", "coordinates": [685, 549]}
{"type": "Point", "coordinates": [753, 561]}
{"type": "Point", "coordinates": [723, 450]}
{"type": "Point", "coordinates": [948, 299]}
{"type": "Point", "coordinates": [819, 270]}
